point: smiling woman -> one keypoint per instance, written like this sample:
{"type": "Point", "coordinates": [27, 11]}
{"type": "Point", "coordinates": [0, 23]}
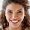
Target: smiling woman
{"type": "Point", "coordinates": [15, 16]}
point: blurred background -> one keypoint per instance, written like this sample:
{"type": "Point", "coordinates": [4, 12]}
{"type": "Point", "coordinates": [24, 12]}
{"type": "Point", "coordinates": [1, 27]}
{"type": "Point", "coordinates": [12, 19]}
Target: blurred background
{"type": "Point", "coordinates": [1, 9]}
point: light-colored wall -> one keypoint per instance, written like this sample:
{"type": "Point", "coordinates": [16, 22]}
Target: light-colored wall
{"type": "Point", "coordinates": [1, 4]}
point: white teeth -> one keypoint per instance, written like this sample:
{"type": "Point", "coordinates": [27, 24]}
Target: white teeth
{"type": "Point", "coordinates": [14, 21]}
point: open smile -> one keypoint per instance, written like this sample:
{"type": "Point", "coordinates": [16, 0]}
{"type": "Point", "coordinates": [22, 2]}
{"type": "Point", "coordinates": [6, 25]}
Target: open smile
{"type": "Point", "coordinates": [14, 21]}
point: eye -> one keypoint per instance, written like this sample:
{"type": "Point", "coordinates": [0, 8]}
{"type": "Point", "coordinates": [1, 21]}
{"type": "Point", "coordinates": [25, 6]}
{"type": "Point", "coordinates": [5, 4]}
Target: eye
{"type": "Point", "coordinates": [10, 11]}
{"type": "Point", "coordinates": [19, 12]}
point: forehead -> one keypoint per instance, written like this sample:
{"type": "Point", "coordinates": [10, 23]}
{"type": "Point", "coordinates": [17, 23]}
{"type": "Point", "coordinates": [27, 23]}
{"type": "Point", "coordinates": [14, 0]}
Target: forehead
{"type": "Point", "coordinates": [14, 6]}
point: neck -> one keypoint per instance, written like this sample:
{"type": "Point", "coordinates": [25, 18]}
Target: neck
{"type": "Point", "coordinates": [18, 28]}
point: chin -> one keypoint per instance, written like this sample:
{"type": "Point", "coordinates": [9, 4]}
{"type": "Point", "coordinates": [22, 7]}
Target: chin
{"type": "Point", "coordinates": [15, 26]}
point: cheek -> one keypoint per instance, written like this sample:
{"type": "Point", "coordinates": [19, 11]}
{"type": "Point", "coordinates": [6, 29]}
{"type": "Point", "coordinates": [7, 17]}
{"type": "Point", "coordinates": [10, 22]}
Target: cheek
{"type": "Point", "coordinates": [21, 17]}
{"type": "Point", "coordinates": [8, 17]}
{"type": "Point", "coordinates": [18, 17]}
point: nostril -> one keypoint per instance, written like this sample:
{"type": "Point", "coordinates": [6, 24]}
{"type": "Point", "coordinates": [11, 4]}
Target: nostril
{"type": "Point", "coordinates": [14, 19]}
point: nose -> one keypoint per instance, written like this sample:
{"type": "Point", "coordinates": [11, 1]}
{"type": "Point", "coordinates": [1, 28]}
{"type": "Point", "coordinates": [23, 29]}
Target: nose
{"type": "Point", "coordinates": [14, 17]}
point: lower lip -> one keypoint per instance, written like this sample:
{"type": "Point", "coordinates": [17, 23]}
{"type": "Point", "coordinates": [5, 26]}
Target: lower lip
{"type": "Point", "coordinates": [15, 23]}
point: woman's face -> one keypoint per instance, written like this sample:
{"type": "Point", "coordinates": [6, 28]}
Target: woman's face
{"type": "Point", "coordinates": [14, 14]}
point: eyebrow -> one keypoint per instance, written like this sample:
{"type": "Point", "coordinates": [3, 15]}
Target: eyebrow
{"type": "Point", "coordinates": [19, 10]}
{"type": "Point", "coordinates": [9, 10]}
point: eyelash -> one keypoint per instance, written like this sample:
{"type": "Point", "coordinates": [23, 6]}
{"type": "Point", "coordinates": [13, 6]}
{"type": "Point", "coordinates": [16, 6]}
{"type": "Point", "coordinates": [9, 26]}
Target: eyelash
{"type": "Point", "coordinates": [9, 11]}
{"type": "Point", "coordinates": [19, 12]}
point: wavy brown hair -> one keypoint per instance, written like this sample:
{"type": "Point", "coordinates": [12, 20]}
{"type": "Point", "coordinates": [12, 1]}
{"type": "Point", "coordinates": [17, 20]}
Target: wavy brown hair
{"type": "Point", "coordinates": [23, 3]}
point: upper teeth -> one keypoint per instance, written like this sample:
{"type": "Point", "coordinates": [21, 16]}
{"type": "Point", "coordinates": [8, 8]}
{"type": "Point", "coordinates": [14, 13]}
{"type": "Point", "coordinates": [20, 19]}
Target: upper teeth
{"type": "Point", "coordinates": [14, 21]}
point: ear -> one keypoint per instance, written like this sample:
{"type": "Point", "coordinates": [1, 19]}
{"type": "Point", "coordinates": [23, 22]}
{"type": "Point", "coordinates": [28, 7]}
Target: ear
{"type": "Point", "coordinates": [24, 13]}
